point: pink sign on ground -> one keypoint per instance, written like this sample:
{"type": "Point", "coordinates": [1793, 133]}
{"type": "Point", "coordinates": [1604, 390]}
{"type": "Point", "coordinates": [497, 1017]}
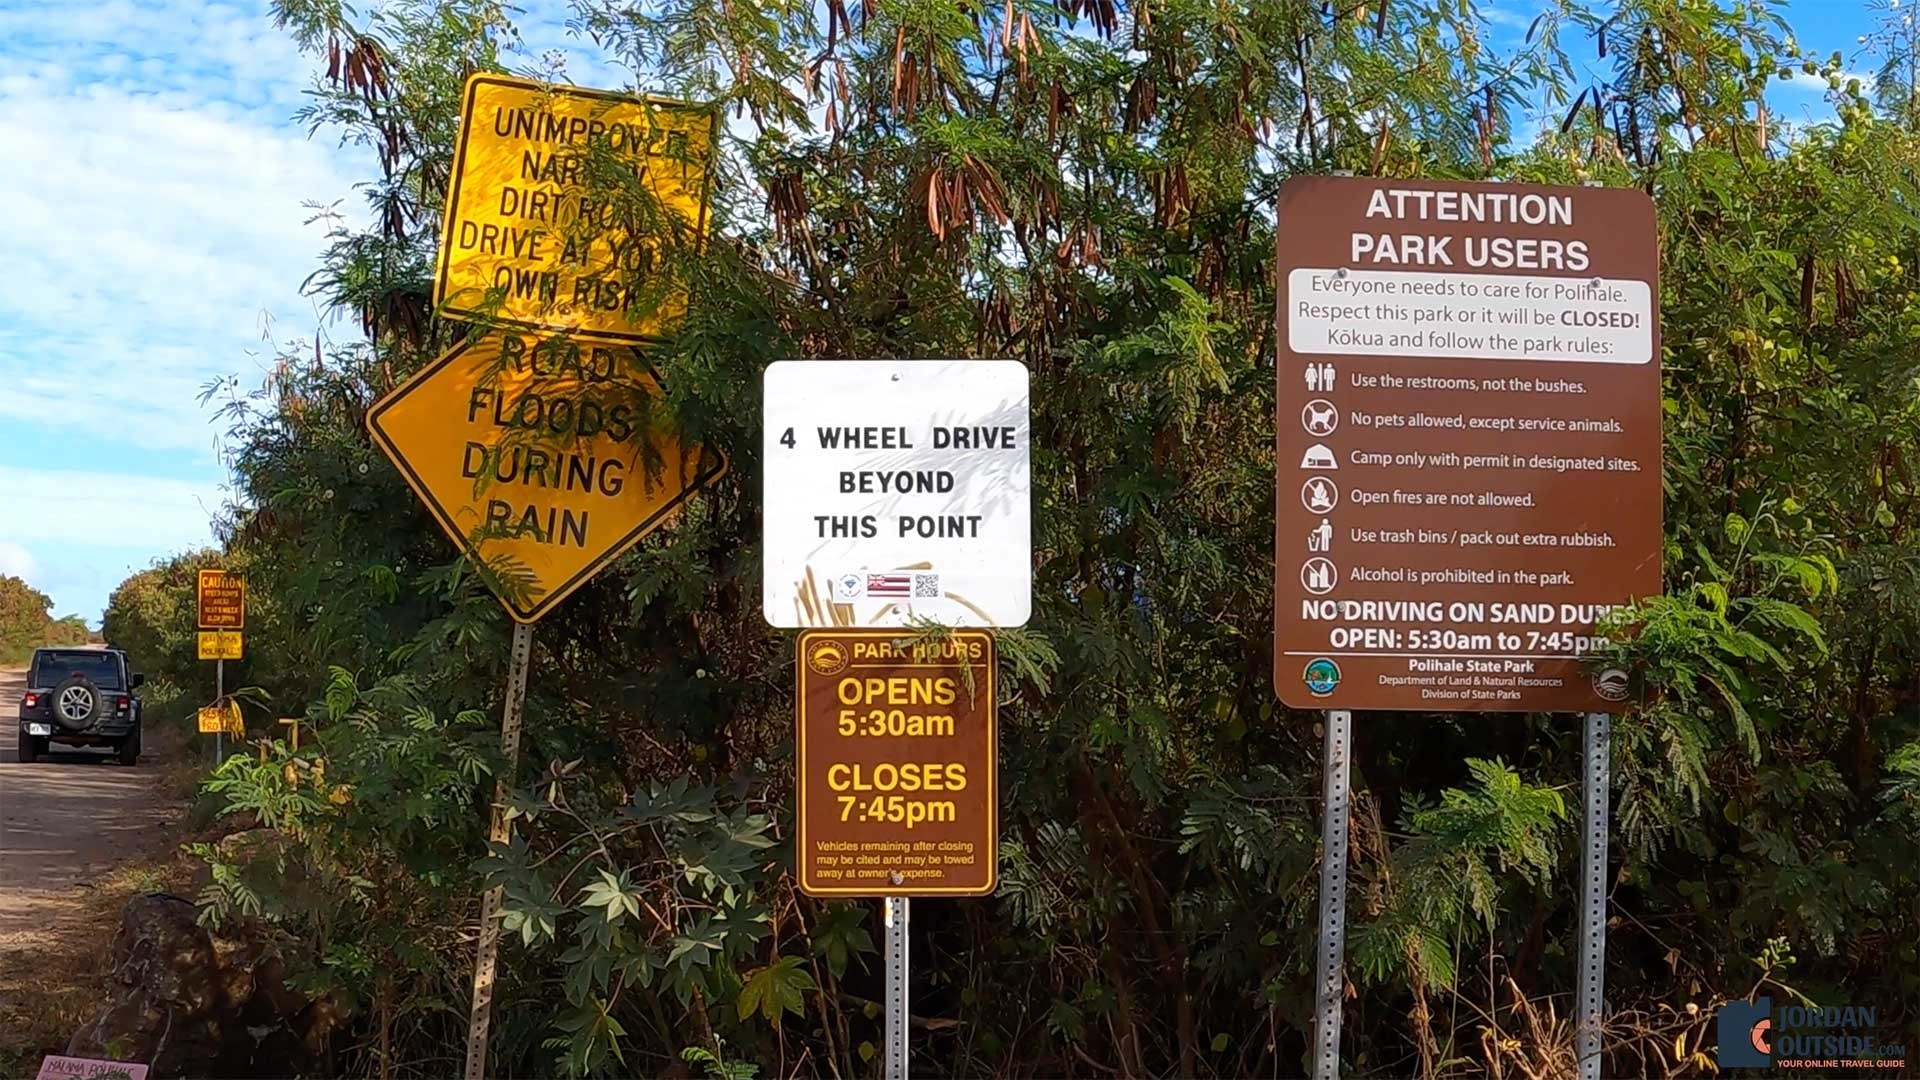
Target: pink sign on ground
{"type": "Point", "coordinates": [55, 1067]}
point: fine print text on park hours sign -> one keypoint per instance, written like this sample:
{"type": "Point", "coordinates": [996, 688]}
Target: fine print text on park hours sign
{"type": "Point", "coordinates": [222, 600]}
{"type": "Point", "coordinates": [548, 455]}
{"type": "Point", "coordinates": [897, 490]}
{"type": "Point", "coordinates": [539, 234]}
{"type": "Point", "coordinates": [1468, 442]}
{"type": "Point", "coordinates": [895, 778]}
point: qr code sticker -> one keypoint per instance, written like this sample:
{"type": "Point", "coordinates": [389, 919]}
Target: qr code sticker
{"type": "Point", "coordinates": [926, 586]}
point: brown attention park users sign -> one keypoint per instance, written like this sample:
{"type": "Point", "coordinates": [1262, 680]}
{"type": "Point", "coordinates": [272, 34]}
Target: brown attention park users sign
{"type": "Point", "coordinates": [896, 748]}
{"type": "Point", "coordinates": [1467, 441]}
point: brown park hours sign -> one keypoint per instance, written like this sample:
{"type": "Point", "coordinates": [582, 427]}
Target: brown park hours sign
{"type": "Point", "coordinates": [546, 456]}
{"type": "Point", "coordinates": [532, 238]}
{"type": "Point", "coordinates": [221, 598]}
{"type": "Point", "coordinates": [1467, 441]}
{"type": "Point", "coordinates": [896, 748]}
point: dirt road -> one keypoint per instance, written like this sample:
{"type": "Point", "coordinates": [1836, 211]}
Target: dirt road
{"type": "Point", "coordinates": [64, 821]}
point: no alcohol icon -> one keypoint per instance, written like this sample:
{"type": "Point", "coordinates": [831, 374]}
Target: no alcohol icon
{"type": "Point", "coordinates": [1318, 576]}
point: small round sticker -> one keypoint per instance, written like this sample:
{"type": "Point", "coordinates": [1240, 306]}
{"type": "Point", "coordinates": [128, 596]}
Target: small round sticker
{"type": "Point", "coordinates": [1321, 676]}
{"type": "Point", "coordinates": [1611, 684]}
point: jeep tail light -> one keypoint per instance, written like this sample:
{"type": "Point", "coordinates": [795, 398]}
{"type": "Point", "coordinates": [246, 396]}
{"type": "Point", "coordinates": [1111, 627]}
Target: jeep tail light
{"type": "Point", "coordinates": [124, 702]}
{"type": "Point", "coordinates": [30, 700]}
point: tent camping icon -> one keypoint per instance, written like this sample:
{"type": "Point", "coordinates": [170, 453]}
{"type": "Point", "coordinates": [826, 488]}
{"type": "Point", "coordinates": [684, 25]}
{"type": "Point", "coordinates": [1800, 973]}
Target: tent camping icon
{"type": "Point", "coordinates": [1318, 457]}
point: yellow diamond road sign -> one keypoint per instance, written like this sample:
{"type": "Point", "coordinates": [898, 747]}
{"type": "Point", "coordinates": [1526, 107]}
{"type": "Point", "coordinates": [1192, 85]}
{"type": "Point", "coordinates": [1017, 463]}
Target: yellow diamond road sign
{"type": "Point", "coordinates": [546, 457]}
{"type": "Point", "coordinates": [544, 226]}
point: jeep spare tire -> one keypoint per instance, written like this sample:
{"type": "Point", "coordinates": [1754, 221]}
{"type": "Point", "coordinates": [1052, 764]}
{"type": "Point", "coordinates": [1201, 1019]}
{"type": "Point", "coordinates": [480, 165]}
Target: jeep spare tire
{"type": "Point", "coordinates": [75, 703]}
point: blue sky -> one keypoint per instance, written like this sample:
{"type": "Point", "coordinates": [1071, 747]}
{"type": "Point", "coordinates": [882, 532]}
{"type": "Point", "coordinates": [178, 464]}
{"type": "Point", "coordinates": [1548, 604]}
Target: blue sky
{"type": "Point", "coordinates": [152, 230]}
{"type": "Point", "coordinates": [152, 226]}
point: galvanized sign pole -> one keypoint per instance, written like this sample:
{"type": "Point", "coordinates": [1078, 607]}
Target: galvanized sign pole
{"type": "Point", "coordinates": [487, 951]}
{"type": "Point", "coordinates": [894, 911]}
{"type": "Point", "coordinates": [1596, 749]}
{"type": "Point", "coordinates": [1330, 957]}
{"type": "Point", "coordinates": [219, 694]}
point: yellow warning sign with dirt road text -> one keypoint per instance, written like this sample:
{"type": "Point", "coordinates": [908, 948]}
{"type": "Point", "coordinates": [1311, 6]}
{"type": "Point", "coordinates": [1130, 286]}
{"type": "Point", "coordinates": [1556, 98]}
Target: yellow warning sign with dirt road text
{"type": "Point", "coordinates": [561, 203]}
{"type": "Point", "coordinates": [546, 457]}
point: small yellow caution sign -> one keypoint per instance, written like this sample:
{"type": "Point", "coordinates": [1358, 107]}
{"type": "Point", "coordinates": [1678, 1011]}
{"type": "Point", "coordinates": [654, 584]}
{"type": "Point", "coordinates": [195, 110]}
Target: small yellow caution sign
{"type": "Point", "coordinates": [221, 645]}
{"type": "Point", "coordinates": [220, 599]}
{"type": "Point", "coordinates": [221, 719]}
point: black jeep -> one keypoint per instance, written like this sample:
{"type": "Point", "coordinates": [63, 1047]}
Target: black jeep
{"type": "Point", "coordinates": [82, 697]}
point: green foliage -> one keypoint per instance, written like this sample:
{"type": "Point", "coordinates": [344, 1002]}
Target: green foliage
{"type": "Point", "coordinates": [26, 622]}
{"type": "Point", "coordinates": [776, 989]}
{"type": "Point", "coordinates": [1467, 852]}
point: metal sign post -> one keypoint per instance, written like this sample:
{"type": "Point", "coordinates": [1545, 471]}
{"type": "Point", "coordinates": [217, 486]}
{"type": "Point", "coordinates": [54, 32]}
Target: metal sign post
{"type": "Point", "coordinates": [487, 951]}
{"type": "Point", "coordinates": [1596, 751]}
{"type": "Point", "coordinates": [219, 692]}
{"type": "Point", "coordinates": [894, 911]}
{"type": "Point", "coordinates": [1330, 957]}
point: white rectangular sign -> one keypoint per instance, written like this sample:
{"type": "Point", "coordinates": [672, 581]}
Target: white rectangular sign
{"type": "Point", "coordinates": [1473, 316]}
{"type": "Point", "coordinates": [897, 491]}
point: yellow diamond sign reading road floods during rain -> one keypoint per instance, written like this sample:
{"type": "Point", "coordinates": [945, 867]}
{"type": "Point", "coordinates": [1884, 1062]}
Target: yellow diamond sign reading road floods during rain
{"type": "Point", "coordinates": [548, 456]}
{"type": "Point", "coordinates": [561, 201]}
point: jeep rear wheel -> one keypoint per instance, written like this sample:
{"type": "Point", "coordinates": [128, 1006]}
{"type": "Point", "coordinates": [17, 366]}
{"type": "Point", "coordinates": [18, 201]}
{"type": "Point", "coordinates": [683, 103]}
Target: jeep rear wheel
{"type": "Point", "coordinates": [76, 702]}
{"type": "Point", "coordinates": [128, 749]}
{"type": "Point", "coordinates": [29, 748]}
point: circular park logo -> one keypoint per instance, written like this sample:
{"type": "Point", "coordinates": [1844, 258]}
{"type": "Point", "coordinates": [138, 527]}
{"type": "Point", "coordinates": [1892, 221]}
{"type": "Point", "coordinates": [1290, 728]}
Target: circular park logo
{"type": "Point", "coordinates": [1321, 676]}
{"type": "Point", "coordinates": [827, 657]}
{"type": "Point", "coordinates": [1611, 684]}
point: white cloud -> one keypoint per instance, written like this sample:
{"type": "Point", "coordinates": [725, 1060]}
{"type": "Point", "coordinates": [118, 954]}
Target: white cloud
{"type": "Point", "coordinates": [16, 561]}
{"type": "Point", "coordinates": [155, 215]}
{"type": "Point", "coordinates": [1818, 83]}
{"type": "Point", "coordinates": [156, 237]}
{"type": "Point", "coordinates": [72, 506]}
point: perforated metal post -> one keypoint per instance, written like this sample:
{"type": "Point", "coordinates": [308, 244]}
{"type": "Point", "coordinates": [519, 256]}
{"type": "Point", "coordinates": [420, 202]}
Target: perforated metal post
{"type": "Point", "coordinates": [894, 913]}
{"type": "Point", "coordinates": [1596, 749]}
{"type": "Point", "coordinates": [1330, 957]}
{"type": "Point", "coordinates": [219, 692]}
{"type": "Point", "coordinates": [487, 951]}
